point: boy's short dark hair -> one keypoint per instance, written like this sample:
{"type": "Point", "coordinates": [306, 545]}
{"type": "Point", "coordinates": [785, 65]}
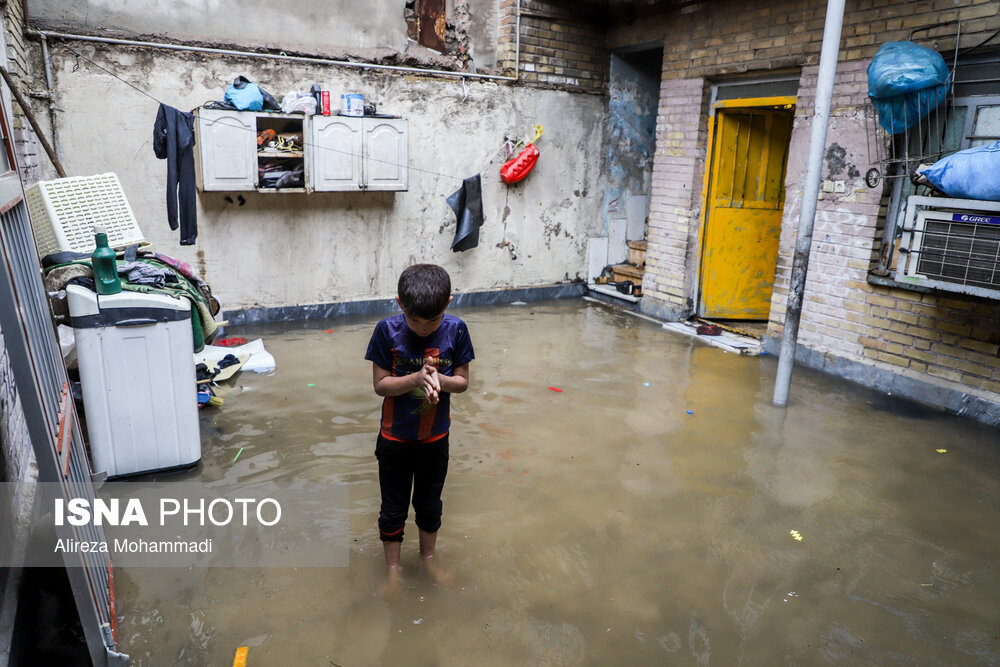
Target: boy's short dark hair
{"type": "Point", "coordinates": [424, 290]}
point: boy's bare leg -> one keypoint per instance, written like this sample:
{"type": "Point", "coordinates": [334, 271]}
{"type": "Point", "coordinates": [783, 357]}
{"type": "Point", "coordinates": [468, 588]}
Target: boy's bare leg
{"type": "Point", "coordinates": [427, 543]}
{"type": "Point", "coordinates": [392, 586]}
{"type": "Point", "coordinates": [392, 551]}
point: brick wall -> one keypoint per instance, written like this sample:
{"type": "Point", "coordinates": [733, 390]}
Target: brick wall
{"type": "Point", "coordinates": [845, 227]}
{"type": "Point", "coordinates": [722, 38]}
{"type": "Point", "coordinates": [950, 338]}
{"type": "Point", "coordinates": [30, 155]}
{"type": "Point", "coordinates": [950, 341]}
{"type": "Point", "coordinates": [562, 44]}
{"type": "Point", "coordinates": [674, 207]}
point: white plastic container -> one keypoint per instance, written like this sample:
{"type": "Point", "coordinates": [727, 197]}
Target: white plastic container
{"type": "Point", "coordinates": [352, 104]}
{"type": "Point", "coordinates": [135, 354]}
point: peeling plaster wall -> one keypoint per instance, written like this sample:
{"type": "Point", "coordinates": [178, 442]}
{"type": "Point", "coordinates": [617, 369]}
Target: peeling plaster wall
{"type": "Point", "coordinates": [296, 249]}
{"type": "Point", "coordinates": [631, 139]}
{"type": "Point", "coordinates": [373, 29]}
{"type": "Point", "coordinates": [483, 31]}
{"type": "Point", "coordinates": [311, 24]}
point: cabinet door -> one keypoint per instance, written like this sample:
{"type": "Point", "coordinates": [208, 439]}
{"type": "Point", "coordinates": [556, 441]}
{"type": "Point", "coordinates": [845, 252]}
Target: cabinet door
{"type": "Point", "coordinates": [227, 150]}
{"type": "Point", "coordinates": [385, 154]}
{"type": "Point", "coordinates": [335, 150]}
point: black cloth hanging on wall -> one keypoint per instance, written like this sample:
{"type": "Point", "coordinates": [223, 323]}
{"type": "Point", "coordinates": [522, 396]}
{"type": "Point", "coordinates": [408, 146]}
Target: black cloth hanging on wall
{"type": "Point", "coordinates": [173, 140]}
{"type": "Point", "coordinates": [467, 203]}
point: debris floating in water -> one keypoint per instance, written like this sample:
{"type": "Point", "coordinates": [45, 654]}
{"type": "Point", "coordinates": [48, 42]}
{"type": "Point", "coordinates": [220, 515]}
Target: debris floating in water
{"type": "Point", "coordinates": [645, 384]}
{"type": "Point", "coordinates": [240, 659]}
{"type": "Point", "coordinates": [237, 455]}
{"type": "Point", "coordinates": [690, 412]}
{"type": "Point", "coordinates": [942, 451]}
{"type": "Point", "coordinates": [518, 303]}
{"type": "Point", "coordinates": [795, 535]}
{"type": "Point", "coordinates": [311, 384]}
{"type": "Point", "coordinates": [232, 341]}
{"type": "Point", "coordinates": [556, 389]}
{"type": "Point", "coordinates": [329, 330]}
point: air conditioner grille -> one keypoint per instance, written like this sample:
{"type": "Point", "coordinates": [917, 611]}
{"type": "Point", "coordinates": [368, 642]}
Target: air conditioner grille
{"type": "Point", "coordinates": [964, 253]}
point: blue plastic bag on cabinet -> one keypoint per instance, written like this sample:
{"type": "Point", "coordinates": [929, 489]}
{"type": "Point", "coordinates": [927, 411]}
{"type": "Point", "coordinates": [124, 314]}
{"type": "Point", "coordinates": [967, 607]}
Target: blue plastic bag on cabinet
{"type": "Point", "coordinates": [245, 95]}
{"type": "Point", "coordinates": [906, 81]}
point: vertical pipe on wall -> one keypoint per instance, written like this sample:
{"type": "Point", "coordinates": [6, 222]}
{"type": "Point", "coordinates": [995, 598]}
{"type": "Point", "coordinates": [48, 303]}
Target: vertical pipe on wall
{"type": "Point", "coordinates": [517, 42]}
{"type": "Point", "coordinates": [810, 194]}
{"type": "Point", "coordinates": [47, 57]}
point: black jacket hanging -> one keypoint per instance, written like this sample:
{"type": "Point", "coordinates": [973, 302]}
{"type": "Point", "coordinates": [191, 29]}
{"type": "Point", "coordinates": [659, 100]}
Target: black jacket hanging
{"type": "Point", "coordinates": [173, 140]}
{"type": "Point", "coordinates": [467, 203]}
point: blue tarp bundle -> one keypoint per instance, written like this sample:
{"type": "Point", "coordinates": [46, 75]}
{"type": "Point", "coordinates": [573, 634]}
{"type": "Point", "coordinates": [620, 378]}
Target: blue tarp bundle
{"type": "Point", "coordinates": [906, 81]}
{"type": "Point", "coordinates": [970, 174]}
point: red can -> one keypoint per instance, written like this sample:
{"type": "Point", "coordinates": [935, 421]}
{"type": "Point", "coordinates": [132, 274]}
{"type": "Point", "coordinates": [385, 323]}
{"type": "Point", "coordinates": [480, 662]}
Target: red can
{"type": "Point", "coordinates": [326, 102]}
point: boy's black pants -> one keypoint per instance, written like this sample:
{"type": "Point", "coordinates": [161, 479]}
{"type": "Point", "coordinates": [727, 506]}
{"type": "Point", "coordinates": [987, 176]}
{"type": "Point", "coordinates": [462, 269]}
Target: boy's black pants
{"type": "Point", "coordinates": [402, 466]}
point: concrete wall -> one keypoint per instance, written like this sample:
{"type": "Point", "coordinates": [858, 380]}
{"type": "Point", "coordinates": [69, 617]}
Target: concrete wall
{"type": "Point", "coordinates": [313, 25]}
{"type": "Point", "coordinates": [291, 249]}
{"type": "Point", "coordinates": [628, 156]}
{"type": "Point", "coordinates": [374, 29]}
{"type": "Point", "coordinates": [631, 138]}
{"type": "Point", "coordinates": [483, 31]}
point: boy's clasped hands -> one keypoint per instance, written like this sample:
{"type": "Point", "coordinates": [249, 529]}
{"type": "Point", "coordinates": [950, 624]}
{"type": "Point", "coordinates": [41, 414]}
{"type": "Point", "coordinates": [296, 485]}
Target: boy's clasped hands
{"type": "Point", "coordinates": [429, 381]}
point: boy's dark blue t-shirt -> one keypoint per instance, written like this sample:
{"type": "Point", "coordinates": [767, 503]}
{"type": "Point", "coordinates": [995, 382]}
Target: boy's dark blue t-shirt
{"type": "Point", "coordinates": [395, 348]}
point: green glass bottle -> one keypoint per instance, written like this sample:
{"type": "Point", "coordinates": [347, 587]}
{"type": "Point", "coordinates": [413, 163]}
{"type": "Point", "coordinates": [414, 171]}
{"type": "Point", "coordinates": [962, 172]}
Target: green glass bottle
{"type": "Point", "coordinates": [103, 262]}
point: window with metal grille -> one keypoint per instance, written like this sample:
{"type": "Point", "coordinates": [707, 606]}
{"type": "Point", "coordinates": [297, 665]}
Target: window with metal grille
{"type": "Point", "coordinates": [944, 243]}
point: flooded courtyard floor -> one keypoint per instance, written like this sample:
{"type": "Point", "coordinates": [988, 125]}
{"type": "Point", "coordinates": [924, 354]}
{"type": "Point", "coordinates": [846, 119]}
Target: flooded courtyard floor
{"type": "Point", "coordinates": [642, 515]}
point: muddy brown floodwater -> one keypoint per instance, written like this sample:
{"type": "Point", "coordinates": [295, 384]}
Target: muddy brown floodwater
{"type": "Point", "coordinates": [641, 516]}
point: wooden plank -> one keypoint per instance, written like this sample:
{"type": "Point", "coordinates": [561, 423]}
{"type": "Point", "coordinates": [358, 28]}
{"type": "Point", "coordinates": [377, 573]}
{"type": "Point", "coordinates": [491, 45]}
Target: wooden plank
{"type": "Point", "coordinates": [431, 24]}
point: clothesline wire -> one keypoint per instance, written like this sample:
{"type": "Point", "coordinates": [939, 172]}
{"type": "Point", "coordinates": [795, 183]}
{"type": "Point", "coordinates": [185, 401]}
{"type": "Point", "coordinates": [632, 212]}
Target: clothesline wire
{"type": "Point", "coordinates": [491, 157]}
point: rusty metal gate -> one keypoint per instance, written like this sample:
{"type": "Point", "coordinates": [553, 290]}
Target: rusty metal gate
{"type": "Point", "coordinates": [49, 410]}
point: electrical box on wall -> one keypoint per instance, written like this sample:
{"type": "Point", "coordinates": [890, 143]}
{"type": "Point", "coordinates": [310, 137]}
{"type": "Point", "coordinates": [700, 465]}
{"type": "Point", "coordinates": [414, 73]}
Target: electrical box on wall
{"type": "Point", "coordinates": [299, 153]}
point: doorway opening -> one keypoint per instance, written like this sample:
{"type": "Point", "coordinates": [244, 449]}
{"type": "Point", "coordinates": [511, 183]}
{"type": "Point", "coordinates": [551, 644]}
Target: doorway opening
{"type": "Point", "coordinates": [618, 256]}
{"type": "Point", "coordinates": [745, 195]}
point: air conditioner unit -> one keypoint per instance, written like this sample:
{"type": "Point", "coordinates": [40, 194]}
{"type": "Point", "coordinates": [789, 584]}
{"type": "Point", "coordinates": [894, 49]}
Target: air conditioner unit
{"type": "Point", "coordinates": [951, 245]}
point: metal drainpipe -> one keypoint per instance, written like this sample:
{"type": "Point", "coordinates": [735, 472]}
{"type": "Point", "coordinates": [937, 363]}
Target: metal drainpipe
{"type": "Point", "coordinates": [810, 193]}
{"type": "Point", "coordinates": [517, 42]}
{"type": "Point", "coordinates": [52, 102]}
{"type": "Point", "coordinates": [271, 56]}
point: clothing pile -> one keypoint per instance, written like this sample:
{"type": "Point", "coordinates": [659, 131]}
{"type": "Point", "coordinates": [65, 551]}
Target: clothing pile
{"type": "Point", "coordinates": [147, 272]}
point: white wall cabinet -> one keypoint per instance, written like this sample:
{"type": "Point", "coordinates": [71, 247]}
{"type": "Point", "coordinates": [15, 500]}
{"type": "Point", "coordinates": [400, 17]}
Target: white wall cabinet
{"type": "Point", "coordinates": [350, 153]}
{"type": "Point", "coordinates": [340, 153]}
{"type": "Point", "coordinates": [226, 150]}
{"type": "Point", "coordinates": [336, 153]}
{"type": "Point", "coordinates": [385, 154]}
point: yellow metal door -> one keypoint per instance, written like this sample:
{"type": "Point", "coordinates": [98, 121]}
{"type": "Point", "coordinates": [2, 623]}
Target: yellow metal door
{"type": "Point", "coordinates": [746, 194]}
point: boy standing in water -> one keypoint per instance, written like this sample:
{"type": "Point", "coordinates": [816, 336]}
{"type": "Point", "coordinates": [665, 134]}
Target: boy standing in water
{"type": "Point", "coordinates": [419, 358]}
